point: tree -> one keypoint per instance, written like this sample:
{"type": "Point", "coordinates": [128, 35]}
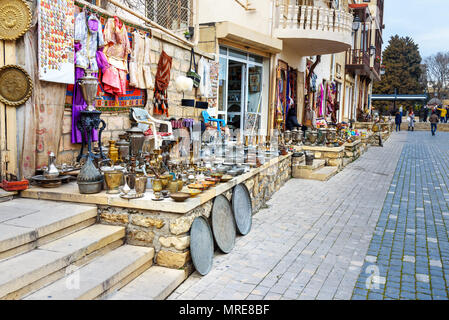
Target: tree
{"type": "Point", "coordinates": [403, 70]}
{"type": "Point", "coordinates": [437, 67]}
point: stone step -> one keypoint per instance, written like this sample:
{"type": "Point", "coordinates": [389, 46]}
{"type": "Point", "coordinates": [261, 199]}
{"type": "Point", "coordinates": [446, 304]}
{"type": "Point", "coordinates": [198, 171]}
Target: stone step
{"type": "Point", "coordinates": [304, 171]}
{"type": "Point", "coordinates": [157, 283]}
{"type": "Point", "coordinates": [324, 174]}
{"type": "Point", "coordinates": [32, 270]}
{"type": "Point", "coordinates": [27, 224]}
{"type": "Point", "coordinates": [6, 195]}
{"type": "Point", "coordinates": [101, 276]}
{"type": "Point", "coordinates": [317, 164]}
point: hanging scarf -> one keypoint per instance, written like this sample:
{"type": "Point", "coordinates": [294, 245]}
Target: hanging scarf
{"type": "Point", "coordinates": [320, 106]}
{"type": "Point", "coordinates": [161, 84]}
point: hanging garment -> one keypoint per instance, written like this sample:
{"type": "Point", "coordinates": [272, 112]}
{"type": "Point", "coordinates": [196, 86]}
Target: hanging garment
{"type": "Point", "coordinates": [89, 38]}
{"type": "Point", "coordinates": [117, 44]}
{"type": "Point", "coordinates": [205, 83]}
{"type": "Point", "coordinates": [116, 51]}
{"type": "Point", "coordinates": [136, 77]}
{"type": "Point", "coordinates": [321, 100]}
{"type": "Point", "coordinates": [160, 102]}
{"type": "Point", "coordinates": [148, 76]}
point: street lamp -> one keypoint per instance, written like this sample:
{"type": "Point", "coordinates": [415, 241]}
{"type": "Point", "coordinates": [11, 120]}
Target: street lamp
{"type": "Point", "coordinates": [356, 24]}
{"type": "Point", "coordinates": [372, 50]}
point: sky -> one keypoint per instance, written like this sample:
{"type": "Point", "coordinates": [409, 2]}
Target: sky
{"type": "Point", "coordinates": [425, 21]}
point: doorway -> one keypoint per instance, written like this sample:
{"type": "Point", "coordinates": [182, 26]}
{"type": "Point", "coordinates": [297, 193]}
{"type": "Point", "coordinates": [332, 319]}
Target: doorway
{"type": "Point", "coordinates": [240, 90]}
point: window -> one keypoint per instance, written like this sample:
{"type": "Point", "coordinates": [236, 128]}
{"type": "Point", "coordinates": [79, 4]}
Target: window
{"type": "Point", "coordinates": [171, 14]}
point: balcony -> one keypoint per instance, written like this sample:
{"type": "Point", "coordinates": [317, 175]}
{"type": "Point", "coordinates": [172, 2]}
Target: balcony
{"type": "Point", "coordinates": [358, 62]}
{"type": "Point", "coordinates": [312, 30]}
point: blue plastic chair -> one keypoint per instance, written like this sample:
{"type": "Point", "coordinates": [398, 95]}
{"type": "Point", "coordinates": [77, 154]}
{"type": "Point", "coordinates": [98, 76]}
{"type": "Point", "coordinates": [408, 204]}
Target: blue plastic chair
{"type": "Point", "coordinates": [207, 118]}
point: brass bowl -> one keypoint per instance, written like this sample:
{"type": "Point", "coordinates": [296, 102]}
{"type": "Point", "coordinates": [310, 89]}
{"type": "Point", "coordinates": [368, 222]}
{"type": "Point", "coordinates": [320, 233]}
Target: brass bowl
{"type": "Point", "coordinates": [193, 192]}
{"type": "Point", "coordinates": [226, 178]}
{"type": "Point", "coordinates": [180, 196]}
{"type": "Point", "coordinates": [197, 186]}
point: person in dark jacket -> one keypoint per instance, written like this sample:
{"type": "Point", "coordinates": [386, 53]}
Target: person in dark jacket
{"type": "Point", "coordinates": [434, 122]}
{"type": "Point", "coordinates": [398, 121]}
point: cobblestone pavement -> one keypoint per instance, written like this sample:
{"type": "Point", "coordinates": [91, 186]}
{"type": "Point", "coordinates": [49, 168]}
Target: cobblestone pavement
{"type": "Point", "coordinates": [312, 240]}
{"type": "Point", "coordinates": [408, 257]}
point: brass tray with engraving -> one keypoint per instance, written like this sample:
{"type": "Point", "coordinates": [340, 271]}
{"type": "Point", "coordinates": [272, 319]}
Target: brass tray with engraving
{"type": "Point", "coordinates": [16, 85]}
{"type": "Point", "coordinates": [15, 19]}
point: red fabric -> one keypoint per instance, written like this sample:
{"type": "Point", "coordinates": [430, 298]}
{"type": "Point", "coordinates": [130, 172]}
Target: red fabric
{"type": "Point", "coordinates": [161, 84]}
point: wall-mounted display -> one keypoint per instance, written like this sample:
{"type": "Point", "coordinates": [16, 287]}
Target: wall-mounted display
{"type": "Point", "coordinates": [56, 41]}
{"type": "Point", "coordinates": [15, 19]}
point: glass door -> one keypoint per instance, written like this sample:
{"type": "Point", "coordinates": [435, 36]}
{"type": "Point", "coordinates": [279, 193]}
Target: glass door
{"type": "Point", "coordinates": [254, 102]}
{"type": "Point", "coordinates": [240, 90]}
{"type": "Point", "coordinates": [236, 94]}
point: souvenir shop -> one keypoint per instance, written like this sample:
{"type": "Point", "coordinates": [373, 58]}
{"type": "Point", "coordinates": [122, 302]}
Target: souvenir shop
{"type": "Point", "coordinates": [121, 115]}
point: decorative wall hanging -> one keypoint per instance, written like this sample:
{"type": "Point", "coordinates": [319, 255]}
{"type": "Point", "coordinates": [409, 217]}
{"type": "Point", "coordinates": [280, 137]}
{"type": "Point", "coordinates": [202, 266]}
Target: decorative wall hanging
{"type": "Point", "coordinates": [15, 85]}
{"type": "Point", "coordinates": [15, 19]}
{"type": "Point", "coordinates": [56, 41]}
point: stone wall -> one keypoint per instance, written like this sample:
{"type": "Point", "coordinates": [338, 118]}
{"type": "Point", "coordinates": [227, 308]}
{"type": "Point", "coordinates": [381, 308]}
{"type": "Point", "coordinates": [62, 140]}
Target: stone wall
{"type": "Point", "coordinates": [117, 122]}
{"type": "Point", "coordinates": [168, 233]}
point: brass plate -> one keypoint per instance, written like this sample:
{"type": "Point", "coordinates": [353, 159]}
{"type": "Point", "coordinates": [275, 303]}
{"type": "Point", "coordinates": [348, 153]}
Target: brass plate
{"type": "Point", "coordinates": [15, 85]}
{"type": "Point", "coordinates": [15, 19]}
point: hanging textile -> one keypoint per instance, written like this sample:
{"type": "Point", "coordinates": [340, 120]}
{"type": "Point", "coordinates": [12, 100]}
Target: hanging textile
{"type": "Point", "coordinates": [43, 112]}
{"type": "Point", "coordinates": [136, 77]}
{"type": "Point", "coordinates": [160, 101]}
{"type": "Point", "coordinates": [205, 83]}
{"type": "Point", "coordinates": [116, 51]}
{"type": "Point", "coordinates": [133, 97]}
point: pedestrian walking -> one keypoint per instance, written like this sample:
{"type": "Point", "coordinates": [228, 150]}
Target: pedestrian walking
{"type": "Point", "coordinates": [398, 121]}
{"type": "Point", "coordinates": [443, 114]}
{"type": "Point", "coordinates": [426, 113]}
{"type": "Point", "coordinates": [433, 123]}
{"type": "Point", "coordinates": [447, 114]}
{"type": "Point", "coordinates": [411, 121]}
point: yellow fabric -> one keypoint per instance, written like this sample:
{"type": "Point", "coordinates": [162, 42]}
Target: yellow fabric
{"type": "Point", "coordinates": [443, 113]}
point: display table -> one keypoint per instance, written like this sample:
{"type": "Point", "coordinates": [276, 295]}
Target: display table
{"type": "Point", "coordinates": [165, 225]}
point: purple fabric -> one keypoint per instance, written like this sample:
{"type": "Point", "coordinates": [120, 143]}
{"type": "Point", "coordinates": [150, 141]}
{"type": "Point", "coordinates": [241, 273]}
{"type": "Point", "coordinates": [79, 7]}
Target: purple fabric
{"type": "Point", "coordinates": [79, 104]}
{"type": "Point", "coordinates": [93, 25]}
{"type": "Point", "coordinates": [102, 61]}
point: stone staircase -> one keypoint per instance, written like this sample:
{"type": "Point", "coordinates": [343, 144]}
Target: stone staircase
{"type": "Point", "coordinates": [55, 250]}
{"type": "Point", "coordinates": [316, 171]}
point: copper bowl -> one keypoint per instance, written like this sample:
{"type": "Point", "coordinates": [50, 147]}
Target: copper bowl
{"type": "Point", "coordinates": [217, 175]}
{"type": "Point", "coordinates": [208, 184]}
{"type": "Point", "coordinates": [214, 180]}
{"type": "Point", "coordinates": [180, 196]}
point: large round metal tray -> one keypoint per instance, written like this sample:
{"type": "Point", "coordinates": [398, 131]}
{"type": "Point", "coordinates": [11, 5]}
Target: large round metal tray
{"type": "Point", "coordinates": [223, 224]}
{"type": "Point", "coordinates": [242, 208]}
{"type": "Point", "coordinates": [201, 245]}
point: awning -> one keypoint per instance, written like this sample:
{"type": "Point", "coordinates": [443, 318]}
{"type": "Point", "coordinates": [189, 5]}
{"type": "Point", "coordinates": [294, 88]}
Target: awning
{"type": "Point", "coordinates": [247, 37]}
